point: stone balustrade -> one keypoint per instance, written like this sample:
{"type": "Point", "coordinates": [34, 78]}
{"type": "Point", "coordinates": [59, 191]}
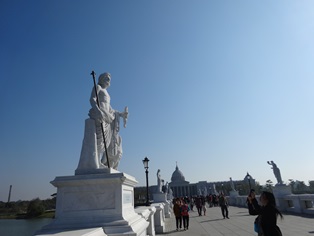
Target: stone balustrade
{"type": "Point", "coordinates": [156, 218]}
{"type": "Point", "coordinates": [148, 214]}
{"type": "Point", "coordinates": [301, 203]}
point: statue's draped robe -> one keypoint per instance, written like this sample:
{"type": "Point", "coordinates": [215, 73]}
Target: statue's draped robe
{"type": "Point", "coordinates": [93, 154]}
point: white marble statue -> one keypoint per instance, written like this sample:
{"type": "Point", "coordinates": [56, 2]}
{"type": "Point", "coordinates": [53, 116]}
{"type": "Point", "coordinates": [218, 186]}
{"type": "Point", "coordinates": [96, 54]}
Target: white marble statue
{"type": "Point", "coordinates": [276, 171]}
{"type": "Point", "coordinates": [93, 155]}
{"type": "Point", "coordinates": [232, 184]}
{"type": "Point", "coordinates": [166, 187]}
{"type": "Point", "coordinates": [159, 180]}
{"type": "Point", "coordinates": [214, 189]}
{"type": "Point", "coordinates": [205, 191]}
{"type": "Point", "coordinates": [170, 194]}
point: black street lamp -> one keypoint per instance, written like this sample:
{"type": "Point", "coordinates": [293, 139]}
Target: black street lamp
{"type": "Point", "coordinates": [249, 179]}
{"type": "Point", "coordinates": [145, 162]}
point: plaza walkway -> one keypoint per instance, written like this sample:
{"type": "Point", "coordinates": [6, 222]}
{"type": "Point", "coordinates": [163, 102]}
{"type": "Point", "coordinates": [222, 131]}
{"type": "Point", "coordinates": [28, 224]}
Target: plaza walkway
{"type": "Point", "coordinates": [239, 224]}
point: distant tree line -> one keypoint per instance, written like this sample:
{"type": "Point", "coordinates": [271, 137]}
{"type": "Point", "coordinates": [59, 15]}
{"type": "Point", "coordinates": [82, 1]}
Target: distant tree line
{"type": "Point", "coordinates": [28, 209]}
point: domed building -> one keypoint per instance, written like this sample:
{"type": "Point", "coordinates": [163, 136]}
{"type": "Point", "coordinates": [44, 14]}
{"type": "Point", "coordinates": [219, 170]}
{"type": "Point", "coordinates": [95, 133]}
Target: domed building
{"type": "Point", "coordinates": [179, 186]}
{"type": "Point", "coordinates": [177, 176]}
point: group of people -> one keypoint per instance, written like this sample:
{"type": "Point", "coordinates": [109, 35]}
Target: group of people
{"type": "Point", "coordinates": [200, 203]}
{"type": "Point", "coordinates": [181, 211]}
{"type": "Point", "coordinates": [212, 200]}
{"type": "Point", "coordinates": [265, 209]}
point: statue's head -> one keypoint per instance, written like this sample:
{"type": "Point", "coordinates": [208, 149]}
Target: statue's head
{"type": "Point", "coordinates": [104, 79]}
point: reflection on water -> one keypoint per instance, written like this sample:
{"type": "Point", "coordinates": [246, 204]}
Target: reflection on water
{"type": "Point", "coordinates": [21, 227]}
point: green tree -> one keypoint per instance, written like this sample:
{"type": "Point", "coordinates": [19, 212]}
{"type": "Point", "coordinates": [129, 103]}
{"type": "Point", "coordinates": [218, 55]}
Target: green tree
{"type": "Point", "coordinates": [311, 186]}
{"type": "Point", "coordinates": [49, 204]}
{"type": "Point", "coordinates": [269, 186]}
{"type": "Point", "coordinates": [35, 208]}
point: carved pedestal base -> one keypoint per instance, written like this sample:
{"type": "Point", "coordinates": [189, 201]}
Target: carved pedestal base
{"type": "Point", "coordinates": [103, 202]}
{"type": "Point", "coordinates": [159, 197]}
{"type": "Point", "coordinates": [279, 191]}
{"type": "Point", "coordinates": [234, 193]}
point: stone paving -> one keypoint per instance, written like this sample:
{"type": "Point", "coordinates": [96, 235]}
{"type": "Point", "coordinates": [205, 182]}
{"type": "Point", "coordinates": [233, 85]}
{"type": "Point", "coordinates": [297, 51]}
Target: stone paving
{"type": "Point", "coordinates": [239, 224]}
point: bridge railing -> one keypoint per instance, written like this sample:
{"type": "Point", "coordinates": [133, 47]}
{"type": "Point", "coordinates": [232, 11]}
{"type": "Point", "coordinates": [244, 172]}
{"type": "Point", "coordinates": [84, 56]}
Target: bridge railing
{"type": "Point", "coordinates": [294, 203]}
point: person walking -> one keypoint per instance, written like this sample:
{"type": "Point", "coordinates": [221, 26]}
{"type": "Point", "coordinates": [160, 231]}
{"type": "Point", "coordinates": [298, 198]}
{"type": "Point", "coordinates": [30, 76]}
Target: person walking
{"type": "Point", "coordinates": [204, 208]}
{"type": "Point", "coordinates": [192, 203]}
{"type": "Point", "coordinates": [266, 222]}
{"type": "Point", "coordinates": [198, 204]}
{"type": "Point", "coordinates": [177, 212]}
{"type": "Point", "coordinates": [223, 203]}
{"type": "Point", "coordinates": [185, 215]}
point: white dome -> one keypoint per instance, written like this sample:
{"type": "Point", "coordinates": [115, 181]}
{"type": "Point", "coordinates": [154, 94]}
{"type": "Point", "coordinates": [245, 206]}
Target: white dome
{"type": "Point", "coordinates": [177, 176]}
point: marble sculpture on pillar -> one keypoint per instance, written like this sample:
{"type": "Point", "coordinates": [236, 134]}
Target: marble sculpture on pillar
{"type": "Point", "coordinates": [159, 185]}
{"type": "Point", "coordinates": [276, 171]}
{"type": "Point", "coordinates": [93, 155]}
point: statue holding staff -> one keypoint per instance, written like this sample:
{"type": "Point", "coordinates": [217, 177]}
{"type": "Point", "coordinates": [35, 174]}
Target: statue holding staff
{"type": "Point", "coordinates": [102, 144]}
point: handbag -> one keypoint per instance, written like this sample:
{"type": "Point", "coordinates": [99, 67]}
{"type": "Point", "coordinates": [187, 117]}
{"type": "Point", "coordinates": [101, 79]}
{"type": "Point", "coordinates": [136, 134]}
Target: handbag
{"type": "Point", "coordinates": [256, 225]}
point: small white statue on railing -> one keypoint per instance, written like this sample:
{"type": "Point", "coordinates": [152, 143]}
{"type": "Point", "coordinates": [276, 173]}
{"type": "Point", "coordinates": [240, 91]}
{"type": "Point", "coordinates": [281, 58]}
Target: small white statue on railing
{"type": "Point", "coordinates": [232, 185]}
{"type": "Point", "coordinates": [159, 180]}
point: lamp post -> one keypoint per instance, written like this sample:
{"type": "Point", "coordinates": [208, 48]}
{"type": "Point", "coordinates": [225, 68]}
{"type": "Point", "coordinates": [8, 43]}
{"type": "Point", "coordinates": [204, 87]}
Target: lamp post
{"type": "Point", "coordinates": [222, 188]}
{"type": "Point", "coordinates": [145, 162]}
{"type": "Point", "coordinates": [249, 179]}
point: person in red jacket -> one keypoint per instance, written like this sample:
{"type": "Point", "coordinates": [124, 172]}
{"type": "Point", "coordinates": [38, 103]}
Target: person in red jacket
{"type": "Point", "coordinates": [185, 215]}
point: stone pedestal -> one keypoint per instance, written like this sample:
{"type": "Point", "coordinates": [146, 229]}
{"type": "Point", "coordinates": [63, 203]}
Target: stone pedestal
{"type": "Point", "coordinates": [159, 218]}
{"type": "Point", "coordinates": [234, 193]}
{"type": "Point", "coordinates": [279, 191]}
{"type": "Point", "coordinates": [169, 197]}
{"type": "Point", "coordinates": [167, 209]}
{"type": "Point", "coordinates": [159, 197]}
{"type": "Point", "coordinates": [162, 198]}
{"type": "Point", "coordinates": [104, 200]}
{"type": "Point", "coordinates": [148, 214]}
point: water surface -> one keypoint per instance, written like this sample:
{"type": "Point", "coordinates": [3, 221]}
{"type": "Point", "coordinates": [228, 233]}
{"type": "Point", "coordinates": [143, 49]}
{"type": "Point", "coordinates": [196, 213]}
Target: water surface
{"type": "Point", "coordinates": [11, 227]}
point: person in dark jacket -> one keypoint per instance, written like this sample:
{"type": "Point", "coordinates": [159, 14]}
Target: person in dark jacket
{"type": "Point", "coordinates": [177, 212]}
{"type": "Point", "coordinates": [198, 204]}
{"type": "Point", "coordinates": [223, 203]}
{"type": "Point", "coordinates": [267, 214]}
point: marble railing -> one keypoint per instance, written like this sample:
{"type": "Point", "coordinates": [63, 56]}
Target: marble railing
{"type": "Point", "coordinates": [301, 203]}
{"type": "Point", "coordinates": [155, 215]}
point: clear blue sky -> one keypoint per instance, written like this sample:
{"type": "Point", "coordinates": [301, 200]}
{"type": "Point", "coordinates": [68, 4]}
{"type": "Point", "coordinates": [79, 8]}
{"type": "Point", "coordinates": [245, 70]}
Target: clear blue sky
{"type": "Point", "coordinates": [221, 87]}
